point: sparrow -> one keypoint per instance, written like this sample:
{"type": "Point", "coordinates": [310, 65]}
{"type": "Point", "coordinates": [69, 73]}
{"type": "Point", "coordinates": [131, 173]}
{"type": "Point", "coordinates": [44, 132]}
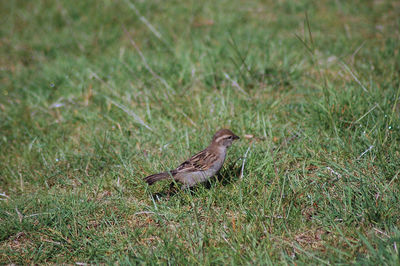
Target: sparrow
{"type": "Point", "coordinates": [201, 166]}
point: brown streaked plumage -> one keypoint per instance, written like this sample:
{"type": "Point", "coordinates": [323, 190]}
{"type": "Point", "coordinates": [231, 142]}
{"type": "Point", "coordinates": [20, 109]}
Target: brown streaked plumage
{"type": "Point", "coordinates": [201, 166]}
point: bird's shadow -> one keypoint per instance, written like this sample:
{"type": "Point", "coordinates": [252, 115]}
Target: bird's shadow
{"type": "Point", "coordinates": [225, 176]}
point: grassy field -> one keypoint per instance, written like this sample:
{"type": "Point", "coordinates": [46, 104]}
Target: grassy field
{"type": "Point", "coordinates": [95, 95]}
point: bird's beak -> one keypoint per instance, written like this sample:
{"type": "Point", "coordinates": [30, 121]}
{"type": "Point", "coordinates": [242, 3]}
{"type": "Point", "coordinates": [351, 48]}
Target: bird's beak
{"type": "Point", "coordinates": [236, 137]}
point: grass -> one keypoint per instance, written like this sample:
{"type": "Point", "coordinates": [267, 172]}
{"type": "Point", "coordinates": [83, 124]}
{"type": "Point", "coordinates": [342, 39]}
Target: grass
{"type": "Point", "coordinates": [95, 95]}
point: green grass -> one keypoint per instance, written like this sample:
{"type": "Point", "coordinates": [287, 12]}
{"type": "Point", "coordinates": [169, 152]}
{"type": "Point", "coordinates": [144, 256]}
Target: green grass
{"type": "Point", "coordinates": [95, 95]}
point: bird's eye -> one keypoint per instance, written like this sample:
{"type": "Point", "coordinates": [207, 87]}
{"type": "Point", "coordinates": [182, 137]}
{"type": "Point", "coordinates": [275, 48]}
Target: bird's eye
{"type": "Point", "coordinates": [230, 137]}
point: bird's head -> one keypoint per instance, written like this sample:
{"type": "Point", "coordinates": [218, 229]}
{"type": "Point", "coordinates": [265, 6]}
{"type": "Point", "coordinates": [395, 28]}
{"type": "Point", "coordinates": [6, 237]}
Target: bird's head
{"type": "Point", "coordinates": [224, 138]}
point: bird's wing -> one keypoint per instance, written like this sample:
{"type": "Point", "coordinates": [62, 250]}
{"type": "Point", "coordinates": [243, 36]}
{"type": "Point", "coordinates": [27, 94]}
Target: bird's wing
{"type": "Point", "coordinates": [200, 162]}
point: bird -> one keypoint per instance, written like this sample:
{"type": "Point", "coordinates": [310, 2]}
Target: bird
{"type": "Point", "coordinates": [201, 166]}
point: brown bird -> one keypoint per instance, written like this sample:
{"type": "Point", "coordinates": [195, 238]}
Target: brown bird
{"type": "Point", "coordinates": [203, 165]}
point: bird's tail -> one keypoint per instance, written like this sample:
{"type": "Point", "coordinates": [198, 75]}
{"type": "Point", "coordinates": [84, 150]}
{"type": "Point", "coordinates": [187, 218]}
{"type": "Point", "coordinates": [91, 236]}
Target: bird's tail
{"type": "Point", "coordinates": [156, 177]}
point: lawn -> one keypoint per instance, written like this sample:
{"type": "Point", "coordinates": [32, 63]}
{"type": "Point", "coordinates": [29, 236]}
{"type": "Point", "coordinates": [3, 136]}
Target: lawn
{"type": "Point", "coordinates": [96, 95]}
